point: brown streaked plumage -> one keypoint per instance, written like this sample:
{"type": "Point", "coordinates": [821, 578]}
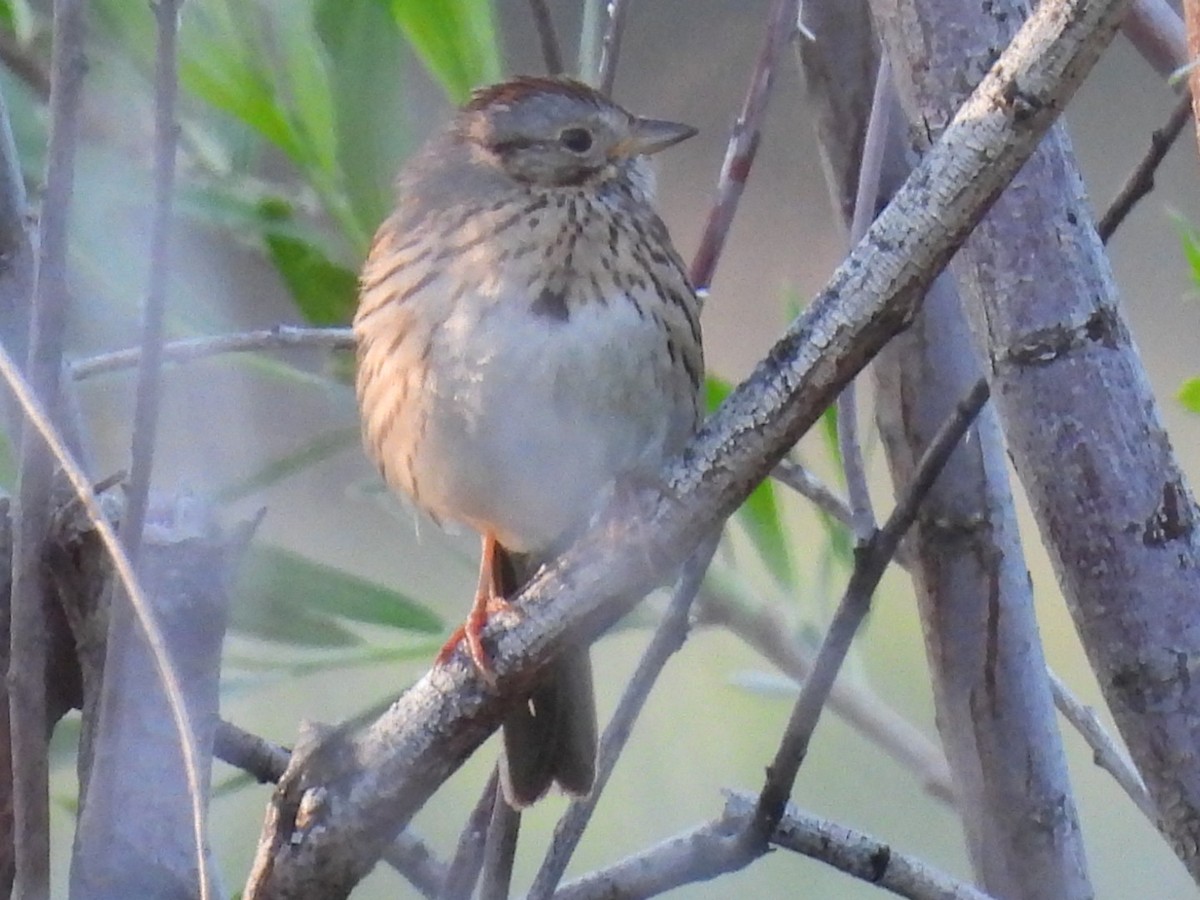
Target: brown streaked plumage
{"type": "Point", "coordinates": [526, 336]}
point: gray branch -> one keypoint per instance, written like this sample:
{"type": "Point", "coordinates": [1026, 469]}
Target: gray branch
{"type": "Point", "coordinates": [1019, 821]}
{"type": "Point", "coordinates": [714, 848]}
{"type": "Point", "coordinates": [1081, 422]}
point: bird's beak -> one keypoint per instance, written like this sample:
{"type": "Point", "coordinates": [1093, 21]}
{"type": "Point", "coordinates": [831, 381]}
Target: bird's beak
{"type": "Point", "coordinates": [651, 135]}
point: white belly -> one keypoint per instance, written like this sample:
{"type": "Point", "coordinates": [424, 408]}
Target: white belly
{"type": "Point", "coordinates": [529, 419]}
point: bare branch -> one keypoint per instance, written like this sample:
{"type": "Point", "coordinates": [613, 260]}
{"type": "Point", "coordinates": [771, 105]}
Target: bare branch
{"type": "Point", "coordinates": [547, 37]}
{"type": "Point", "coordinates": [764, 630]}
{"type": "Point", "coordinates": [1155, 29]}
{"type": "Point", "coordinates": [256, 756]}
{"type": "Point", "coordinates": [191, 349]}
{"type": "Point", "coordinates": [808, 485]}
{"type": "Point", "coordinates": [144, 612]}
{"type": "Point", "coordinates": [266, 762]}
{"type": "Point", "coordinates": [871, 560]}
{"type": "Point", "coordinates": [610, 45]}
{"type": "Point", "coordinates": [412, 858]}
{"type": "Point", "coordinates": [714, 848]}
{"type": "Point", "coordinates": [28, 654]}
{"type": "Point", "coordinates": [1106, 753]}
{"type": "Point", "coordinates": [468, 857]}
{"type": "Point", "coordinates": [862, 513]}
{"type": "Point", "coordinates": [668, 638]}
{"type": "Point", "coordinates": [499, 850]}
{"type": "Point", "coordinates": [743, 145]}
{"type": "Point", "coordinates": [1048, 325]}
{"type": "Point", "coordinates": [149, 380]}
{"type": "Point", "coordinates": [1141, 180]}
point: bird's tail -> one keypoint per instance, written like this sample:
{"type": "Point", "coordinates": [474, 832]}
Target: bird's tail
{"type": "Point", "coordinates": [552, 737]}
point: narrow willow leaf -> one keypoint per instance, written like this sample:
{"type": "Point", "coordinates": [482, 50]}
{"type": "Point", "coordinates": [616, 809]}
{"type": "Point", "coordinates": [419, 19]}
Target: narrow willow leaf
{"type": "Point", "coordinates": [323, 291]}
{"type": "Point", "coordinates": [291, 584]}
{"type": "Point", "coordinates": [760, 514]}
{"type": "Point", "coordinates": [316, 450]}
{"type": "Point", "coordinates": [367, 65]}
{"type": "Point", "coordinates": [455, 39]}
{"type": "Point", "coordinates": [1189, 394]}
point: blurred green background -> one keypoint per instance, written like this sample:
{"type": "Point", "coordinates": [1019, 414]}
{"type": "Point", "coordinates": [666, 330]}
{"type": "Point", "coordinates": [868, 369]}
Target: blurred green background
{"type": "Point", "coordinates": [295, 115]}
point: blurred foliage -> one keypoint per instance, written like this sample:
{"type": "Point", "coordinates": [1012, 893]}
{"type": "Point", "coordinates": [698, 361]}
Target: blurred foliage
{"type": "Point", "coordinates": [760, 515]}
{"type": "Point", "coordinates": [1189, 394]}
{"type": "Point", "coordinates": [1189, 239]}
{"type": "Point", "coordinates": [272, 579]}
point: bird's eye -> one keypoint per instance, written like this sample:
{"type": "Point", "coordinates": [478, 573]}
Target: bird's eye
{"type": "Point", "coordinates": [577, 140]}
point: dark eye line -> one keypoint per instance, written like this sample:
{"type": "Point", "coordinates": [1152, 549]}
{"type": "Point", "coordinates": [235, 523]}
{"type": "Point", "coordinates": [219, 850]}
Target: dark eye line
{"type": "Point", "coordinates": [506, 148]}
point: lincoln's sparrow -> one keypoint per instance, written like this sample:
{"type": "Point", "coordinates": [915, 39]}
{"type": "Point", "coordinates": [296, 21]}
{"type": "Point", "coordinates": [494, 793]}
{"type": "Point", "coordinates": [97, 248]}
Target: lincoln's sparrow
{"type": "Point", "coordinates": [527, 335]}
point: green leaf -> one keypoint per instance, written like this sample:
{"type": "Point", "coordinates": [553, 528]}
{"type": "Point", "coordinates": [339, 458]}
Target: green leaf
{"type": "Point", "coordinates": [301, 77]}
{"type": "Point", "coordinates": [258, 673]}
{"type": "Point", "coordinates": [244, 93]}
{"type": "Point", "coordinates": [367, 59]}
{"type": "Point", "coordinates": [236, 782]}
{"type": "Point", "coordinates": [324, 292]}
{"type": "Point", "coordinates": [1189, 241]}
{"type": "Point", "coordinates": [829, 434]}
{"type": "Point", "coordinates": [263, 610]}
{"type": "Point", "coordinates": [455, 39]}
{"type": "Point", "coordinates": [1189, 394]}
{"type": "Point", "coordinates": [283, 583]}
{"type": "Point", "coordinates": [760, 514]}
{"type": "Point", "coordinates": [316, 450]}
{"type": "Point", "coordinates": [17, 17]}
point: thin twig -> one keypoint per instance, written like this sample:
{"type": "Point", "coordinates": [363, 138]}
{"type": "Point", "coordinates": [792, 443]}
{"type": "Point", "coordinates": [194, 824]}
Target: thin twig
{"type": "Point", "coordinates": [551, 53]}
{"type": "Point", "coordinates": [862, 512]}
{"type": "Point", "coordinates": [669, 637]}
{"type": "Point", "coordinates": [28, 653]}
{"type": "Point", "coordinates": [809, 486]}
{"type": "Point", "coordinates": [715, 848]}
{"type": "Point", "coordinates": [1106, 752]}
{"type": "Point", "coordinates": [412, 858]}
{"type": "Point", "coordinates": [865, 201]}
{"type": "Point", "coordinates": [191, 349]}
{"type": "Point", "coordinates": [468, 856]}
{"type": "Point", "coordinates": [499, 850]}
{"type": "Point", "coordinates": [1155, 29]}
{"type": "Point", "coordinates": [144, 612]}
{"type": "Point", "coordinates": [610, 46]}
{"type": "Point", "coordinates": [25, 65]}
{"type": "Point", "coordinates": [588, 55]}
{"type": "Point", "coordinates": [871, 561]}
{"type": "Point", "coordinates": [149, 380]}
{"type": "Point", "coordinates": [764, 630]}
{"type": "Point", "coordinates": [264, 760]}
{"type": "Point", "coordinates": [801, 480]}
{"type": "Point", "coordinates": [1141, 180]}
{"type": "Point", "coordinates": [743, 144]}
{"type": "Point", "coordinates": [857, 854]}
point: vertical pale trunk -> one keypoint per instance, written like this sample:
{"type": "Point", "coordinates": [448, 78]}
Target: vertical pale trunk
{"type": "Point", "coordinates": [1080, 420]}
{"type": "Point", "coordinates": [995, 712]}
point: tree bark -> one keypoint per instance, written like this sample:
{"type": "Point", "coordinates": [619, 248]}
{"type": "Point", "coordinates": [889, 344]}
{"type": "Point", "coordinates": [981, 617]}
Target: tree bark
{"type": "Point", "coordinates": [1081, 422]}
{"type": "Point", "coordinates": [995, 711]}
{"type": "Point", "coordinates": [136, 836]}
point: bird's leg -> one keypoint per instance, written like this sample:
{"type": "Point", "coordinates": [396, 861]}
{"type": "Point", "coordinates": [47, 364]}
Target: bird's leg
{"type": "Point", "coordinates": [488, 600]}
